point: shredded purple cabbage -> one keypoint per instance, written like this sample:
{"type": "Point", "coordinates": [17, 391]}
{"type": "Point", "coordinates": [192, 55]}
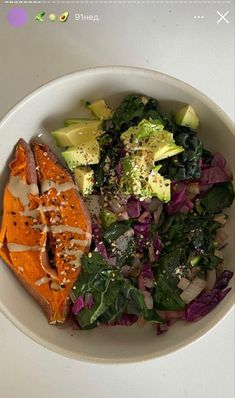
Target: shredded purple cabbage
{"type": "Point", "coordinates": [213, 175]}
{"type": "Point", "coordinates": [223, 280]}
{"type": "Point", "coordinates": [78, 305]}
{"type": "Point", "coordinates": [218, 161]}
{"type": "Point", "coordinates": [157, 246]}
{"type": "Point", "coordinates": [142, 233]}
{"type": "Point", "coordinates": [97, 238]}
{"type": "Point", "coordinates": [177, 201]}
{"type": "Point", "coordinates": [126, 320]}
{"type": "Point", "coordinates": [147, 271]}
{"type": "Point", "coordinates": [133, 207]}
{"type": "Point", "coordinates": [207, 301]}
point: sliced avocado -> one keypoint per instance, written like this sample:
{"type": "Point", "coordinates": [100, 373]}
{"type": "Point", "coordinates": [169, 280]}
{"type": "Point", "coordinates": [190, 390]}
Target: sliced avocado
{"type": "Point", "coordinates": [135, 172]}
{"type": "Point", "coordinates": [84, 177]}
{"type": "Point", "coordinates": [63, 17]}
{"type": "Point", "coordinates": [145, 130]}
{"type": "Point", "coordinates": [187, 116]}
{"type": "Point", "coordinates": [107, 218]}
{"type": "Point", "coordinates": [100, 110]}
{"type": "Point", "coordinates": [159, 186]}
{"type": "Point", "coordinates": [141, 179]}
{"type": "Point", "coordinates": [78, 120]}
{"type": "Point", "coordinates": [82, 155]}
{"type": "Point", "coordinates": [151, 137]}
{"type": "Point", "coordinates": [76, 134]}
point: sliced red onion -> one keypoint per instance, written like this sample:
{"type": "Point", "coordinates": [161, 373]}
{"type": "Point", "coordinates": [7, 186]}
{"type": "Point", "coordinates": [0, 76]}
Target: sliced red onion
{"type": "Point", "coordinates": [89, 301]}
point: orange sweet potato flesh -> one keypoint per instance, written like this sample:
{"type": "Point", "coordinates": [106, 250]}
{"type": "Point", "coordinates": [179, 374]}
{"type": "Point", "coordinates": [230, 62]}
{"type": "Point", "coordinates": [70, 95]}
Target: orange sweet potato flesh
{"type": "Point", "coordinates": [69, 216]}
{"type": "Point", "coordinates": [26, 238]}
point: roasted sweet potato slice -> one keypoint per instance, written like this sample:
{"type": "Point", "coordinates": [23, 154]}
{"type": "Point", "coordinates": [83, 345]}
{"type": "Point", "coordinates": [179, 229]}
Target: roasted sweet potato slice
{"type": "Point", "coordinates": [67, 221]}
{"type": "Point", "coordinates": [57, 222]}
{"type": "Point", "coordinates": [22, 245]}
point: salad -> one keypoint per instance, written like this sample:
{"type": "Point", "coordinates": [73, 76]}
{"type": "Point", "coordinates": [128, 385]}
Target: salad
{"type": "Point", "coordinates": [156, 198]}
{"type": "Point", "coordinates": [131, 230]}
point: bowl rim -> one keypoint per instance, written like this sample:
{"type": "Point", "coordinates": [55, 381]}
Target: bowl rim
{"type": "Point", "coordinates": [155, 75]}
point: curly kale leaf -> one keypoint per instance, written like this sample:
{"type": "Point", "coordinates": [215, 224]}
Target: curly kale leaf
{"type": "Point", "coordinates": [185, 165]}
{"type": "Point", "coordinates": [133, 109]}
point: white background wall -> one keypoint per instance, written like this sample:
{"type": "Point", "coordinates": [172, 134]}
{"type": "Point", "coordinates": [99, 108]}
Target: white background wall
{"type": "Point", "coordinates": [163, 37]}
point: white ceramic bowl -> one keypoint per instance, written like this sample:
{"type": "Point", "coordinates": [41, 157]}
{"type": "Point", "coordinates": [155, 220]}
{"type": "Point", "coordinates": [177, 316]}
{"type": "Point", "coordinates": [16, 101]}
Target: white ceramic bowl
{"type": "Point", "coordinates": [44, 110]}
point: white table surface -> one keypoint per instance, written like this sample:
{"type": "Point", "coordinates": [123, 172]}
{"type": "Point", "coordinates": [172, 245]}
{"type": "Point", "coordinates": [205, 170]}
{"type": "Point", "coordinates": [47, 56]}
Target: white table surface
{"type": "Point", "coordinates": [163, 37]}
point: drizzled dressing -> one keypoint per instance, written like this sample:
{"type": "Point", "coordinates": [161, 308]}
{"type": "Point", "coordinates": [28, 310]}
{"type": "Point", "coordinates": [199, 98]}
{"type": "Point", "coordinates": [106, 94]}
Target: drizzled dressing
{"type": "Point", "coordinates": [21, 190]}
{"type": "Point", "coordinates": [14, 247]}
{"type": "Point", "coordinates": [47, 184]}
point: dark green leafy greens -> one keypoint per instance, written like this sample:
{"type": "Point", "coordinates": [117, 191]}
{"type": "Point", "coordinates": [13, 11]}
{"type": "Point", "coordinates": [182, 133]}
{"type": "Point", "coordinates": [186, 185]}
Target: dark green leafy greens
{"type": "Point", "coordinates": [219, 197]}
{"type": "Point", "coordinates": [110, 154]}
{"type": "Point", "coordinates": [192, 234]}
{"type": "Point", "coordinates": [188, 239]}
{"type": "Point", "coordinates": [113, 295]}
{"type": "Point", "coordinates": [133, 109]}
{"type": "Point", "coordinates": [167, 294]}
{"type": "Point", "coordinates": [116, 230]}
{"type": "Point", "coordinates": [185, 165]}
